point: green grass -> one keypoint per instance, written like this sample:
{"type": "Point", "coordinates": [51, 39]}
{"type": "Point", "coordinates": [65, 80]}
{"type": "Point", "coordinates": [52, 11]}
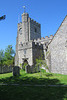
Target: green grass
{"type": "Point", "coordinates": [20, 92]}
{"type": "Point", "coordinates": [35, 78]}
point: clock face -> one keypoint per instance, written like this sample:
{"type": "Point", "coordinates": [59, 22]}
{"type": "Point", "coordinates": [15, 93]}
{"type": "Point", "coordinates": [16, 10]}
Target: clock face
{"type": "Point", "coordinates": [20, 31]}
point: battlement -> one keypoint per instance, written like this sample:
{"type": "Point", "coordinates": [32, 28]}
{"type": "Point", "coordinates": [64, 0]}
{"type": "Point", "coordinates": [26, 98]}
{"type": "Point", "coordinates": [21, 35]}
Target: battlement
{"type": "Point", "coordinates": [37, 45]}
{"type": "Point", "coordinates": [33, 21]}
{"type": "Point", "coordinates": [44, 39]}
{"type": "Point", "coordinates": [30, 44]}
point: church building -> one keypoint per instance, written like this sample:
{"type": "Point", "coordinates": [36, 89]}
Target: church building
{"type": "Point", "coordinates": [30, 45]}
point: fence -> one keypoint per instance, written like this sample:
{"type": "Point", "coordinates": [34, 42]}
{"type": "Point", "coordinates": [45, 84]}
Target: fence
{"type": "Point", "coordinates": [5, 69]}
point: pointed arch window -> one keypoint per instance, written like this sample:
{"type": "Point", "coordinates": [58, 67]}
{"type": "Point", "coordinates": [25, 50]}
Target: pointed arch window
{"type": "Point", "coordinates": [20, 31]}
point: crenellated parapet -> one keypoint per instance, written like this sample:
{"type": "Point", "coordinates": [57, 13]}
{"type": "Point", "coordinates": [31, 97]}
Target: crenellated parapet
{"type": "Point", "coordinates": [43, 40]}
{"type": "Point", "coordinates": [35, 23]}
{"type": "Point", "coordinates": [51, 37]}
{"type": "Point", "coordinates": [30, 44]}
{"type": "Point", "coordinates": [37, 45]}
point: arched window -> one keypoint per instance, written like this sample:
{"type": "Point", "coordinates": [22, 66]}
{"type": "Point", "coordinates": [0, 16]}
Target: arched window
{"type": "Point", "coordinates": [20, 31]}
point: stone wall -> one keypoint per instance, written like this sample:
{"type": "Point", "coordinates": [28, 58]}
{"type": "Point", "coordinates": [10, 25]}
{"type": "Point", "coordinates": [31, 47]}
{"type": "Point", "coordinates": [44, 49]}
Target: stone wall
{"type": "Point", "coordinates": [34, 30]}
{"type": "Point", "coordinates": [30, 51]}
{"type": "Point", "coordinates": [5, 69]}
{"type": "Point", "coordinates": [25, 28]}
{"type": "Point", "coordinates": [25, 52]}
{"type": "Point", "coordinates": [37, 52]}
{"type": "Point", "coordinates": [44, 40]}
{"type": "Point", "coordinates": [58, 50]}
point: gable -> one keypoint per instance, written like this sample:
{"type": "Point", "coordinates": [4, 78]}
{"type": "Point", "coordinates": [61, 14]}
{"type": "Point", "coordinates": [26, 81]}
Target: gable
{"type": "Point", "coordinates": [61, 29]}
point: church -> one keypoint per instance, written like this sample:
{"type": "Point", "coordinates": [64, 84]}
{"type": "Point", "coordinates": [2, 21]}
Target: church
{"type": "Point", "coordinates": [30, 45]}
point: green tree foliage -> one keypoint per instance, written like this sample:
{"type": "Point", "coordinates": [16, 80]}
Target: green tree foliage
{"type": "Point", "coordinates": [9, 52]}
{"type": "Point", "coordinates": [24, 66]}
{"type": "Point", "coordinates": [7, 57]}
{"type": "Point", "coordinates": [41, 61]}
{"type": "Point", "coordinates": [1, 57]}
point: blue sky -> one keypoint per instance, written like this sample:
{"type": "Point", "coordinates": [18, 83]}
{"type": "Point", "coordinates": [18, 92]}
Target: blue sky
{"type": "Point", "coordinates": [49, 13]}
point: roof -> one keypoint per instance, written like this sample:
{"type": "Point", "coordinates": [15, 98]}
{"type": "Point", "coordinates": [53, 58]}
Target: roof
{"type": "Point", "coordinates": [59, 28]}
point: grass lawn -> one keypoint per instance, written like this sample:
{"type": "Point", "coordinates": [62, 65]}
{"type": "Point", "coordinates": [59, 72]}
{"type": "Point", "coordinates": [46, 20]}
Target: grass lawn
{"type": "Point", "coordinates": [35, 78]}
{"type": "Point", "coordinates": [33, 92]}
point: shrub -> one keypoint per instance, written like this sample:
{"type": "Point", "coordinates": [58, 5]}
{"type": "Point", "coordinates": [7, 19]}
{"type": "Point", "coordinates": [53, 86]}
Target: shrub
{"type": "Point", "coordinates": [24, 66]}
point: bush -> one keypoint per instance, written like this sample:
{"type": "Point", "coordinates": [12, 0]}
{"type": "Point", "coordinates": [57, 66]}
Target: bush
{"type": "Point", "coordinates": [24, 66]}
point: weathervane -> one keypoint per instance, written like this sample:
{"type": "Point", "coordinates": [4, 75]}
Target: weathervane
{"type": "Point", "coordinates": [24, 8]}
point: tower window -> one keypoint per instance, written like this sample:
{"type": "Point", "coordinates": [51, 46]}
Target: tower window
{"type": "Point", "coordinates": [20, 31]}
{"type": "Point", "coordinates": [35, 30]}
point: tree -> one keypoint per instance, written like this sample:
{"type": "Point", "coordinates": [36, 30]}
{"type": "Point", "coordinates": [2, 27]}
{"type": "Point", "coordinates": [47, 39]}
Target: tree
{"type": "Point", "coordinates": [1, 57]}
{"type": "Point", "coordinates": [9, 52]}
{"type": "Point", "coordinates": [41, 62]}
{"type": "Point", "coordinates": [9, 55]}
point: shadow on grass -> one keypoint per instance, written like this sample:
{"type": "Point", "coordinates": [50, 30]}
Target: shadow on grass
{"type": "Point", "coordinates": [32, 92]}
{"type": "Point", "coordinates": [30, 80]}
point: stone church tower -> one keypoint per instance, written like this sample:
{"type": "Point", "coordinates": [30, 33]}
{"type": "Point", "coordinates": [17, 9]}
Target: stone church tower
{"type": "Point", "coordinates": [28, 30]}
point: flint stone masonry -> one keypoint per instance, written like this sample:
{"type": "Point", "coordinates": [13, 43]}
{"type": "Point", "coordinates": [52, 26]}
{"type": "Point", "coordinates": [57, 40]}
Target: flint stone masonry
{"type": "Point", "coordinates": [59, 50]}
{"type": "Point", "coordinates": [30, 45]}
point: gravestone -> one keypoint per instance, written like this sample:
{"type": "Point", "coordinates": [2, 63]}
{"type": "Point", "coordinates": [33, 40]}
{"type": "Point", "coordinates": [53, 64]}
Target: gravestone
{"type": "Point", "coordinates": [28, 69]}
{"type": "Point", "coordinates": [16, 71]}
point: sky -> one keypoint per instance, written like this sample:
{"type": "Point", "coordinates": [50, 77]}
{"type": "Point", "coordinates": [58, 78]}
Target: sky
{"type": "Point", "coordinates": [49, 13]}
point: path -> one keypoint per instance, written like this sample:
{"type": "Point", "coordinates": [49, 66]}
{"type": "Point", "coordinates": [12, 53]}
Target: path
{"type": "Point", "coordinates": [35, 85]}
